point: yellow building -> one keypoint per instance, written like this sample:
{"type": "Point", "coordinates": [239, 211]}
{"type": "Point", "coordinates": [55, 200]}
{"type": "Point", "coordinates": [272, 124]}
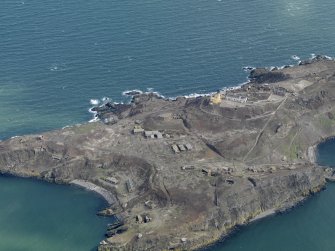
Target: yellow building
{"type": "Point", "coordinates": [216, 99]}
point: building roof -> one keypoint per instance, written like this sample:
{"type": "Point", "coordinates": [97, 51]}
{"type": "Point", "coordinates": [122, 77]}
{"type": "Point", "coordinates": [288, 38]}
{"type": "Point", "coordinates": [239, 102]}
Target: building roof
{"type": "Point", "coordinates": [181, 147]}
{"type": "Point", "coordinates": [188, 146]}
{"type": "Point", "coordinates": [138, 130]}
{"type": "Point", "coordinates": [175, 148]}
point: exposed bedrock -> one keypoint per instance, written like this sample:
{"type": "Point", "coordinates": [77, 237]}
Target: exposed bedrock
{"type": "Point", "coordinates": [263, 75]}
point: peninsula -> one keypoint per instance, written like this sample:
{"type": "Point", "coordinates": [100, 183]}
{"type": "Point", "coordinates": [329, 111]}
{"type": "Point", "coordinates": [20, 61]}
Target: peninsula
{"type": "Point", "coordinates": [180, 174]}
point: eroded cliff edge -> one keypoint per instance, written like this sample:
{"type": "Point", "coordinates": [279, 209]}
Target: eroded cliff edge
{"type": "Point", "coordinates": [181, 173]}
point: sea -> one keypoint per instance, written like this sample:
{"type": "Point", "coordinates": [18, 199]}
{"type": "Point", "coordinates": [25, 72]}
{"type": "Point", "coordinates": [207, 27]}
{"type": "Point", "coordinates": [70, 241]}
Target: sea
{"type": "Point", "coordinates": [60, 57]}
{"type": "Point", "coordinates": [38, 216]}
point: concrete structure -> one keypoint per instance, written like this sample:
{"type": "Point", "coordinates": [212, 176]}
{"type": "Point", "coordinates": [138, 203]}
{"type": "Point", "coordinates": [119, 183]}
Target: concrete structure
{"type": "Point", "coordinates": [147, 219]}
{"type": "Point", "coordinates": [112, 180]}
{"type": "Point", "coordinates": [181, 147]}
{"type": "Point", "coordinates": [216, 99]}
{"type": "Point", "coordinates": [130, 185]}
{"type": "Point", "coordinates": [206, 171]}
{"type": "Point", "coordinates": [153, 135]}
{"type": "Point", "coordinates": [239, 99]}
{"type": "Point", "coordinates": [175, 148]}
{"type": "Point", "coordinates": [188, 147]}
{"type": "Point", "coordinates": [228, 170]}
{"type": "Point", "coordinates": [280, 91]}
{"type": "Point", "coordinates": [139, 218]}
{"type": "Point", "coordinates": [138, 129]}
{"type": "Point", "coordinates": [176, 116]}
{"type": "Point", "coordinates": [149, 204]}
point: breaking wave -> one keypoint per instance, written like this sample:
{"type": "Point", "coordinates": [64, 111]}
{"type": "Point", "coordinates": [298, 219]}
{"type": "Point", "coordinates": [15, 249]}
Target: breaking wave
{"type": "Point", "coordinates": [94, 101]}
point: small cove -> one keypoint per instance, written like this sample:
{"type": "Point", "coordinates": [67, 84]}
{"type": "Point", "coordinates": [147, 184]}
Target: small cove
{"type": "Point", "coordinates": [308, 227]}
{"type": "Point", "coordinates": [36, 216]}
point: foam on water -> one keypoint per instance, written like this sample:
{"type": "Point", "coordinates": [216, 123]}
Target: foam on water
{"type": "Point", "coordinates": [248, 68]}
{"type": "Point", "coordinates": [106, 99]}
{"type": "Point", "coordinates": [155, 93]}
{"type": "Point", "coordinates": [295, 57]}
{"type": "Point", "coordinates": [58, 67]}
{"type": "Point", "coordinates": [95, 115]}
{"type": "Point", "coordinates": [127, 92]}
{"type": "Point", "coordinates": [94, 101]}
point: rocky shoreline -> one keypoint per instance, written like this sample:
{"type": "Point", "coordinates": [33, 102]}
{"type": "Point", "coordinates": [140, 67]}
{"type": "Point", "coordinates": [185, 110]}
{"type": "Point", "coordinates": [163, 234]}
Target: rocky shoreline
{"type": "Point", "coordinates": [180, 174]}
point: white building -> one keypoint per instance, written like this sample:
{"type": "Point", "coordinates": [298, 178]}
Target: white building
{"type": "Point", "coordinates": [239, 99]}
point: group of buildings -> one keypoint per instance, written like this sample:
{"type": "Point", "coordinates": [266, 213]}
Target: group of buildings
{"type": "Point", "coordinates": [147, 134]}
{"type": "Point", "coordinates": [218, 97]}
{"type": "Point", "coordinates": [177, 148]}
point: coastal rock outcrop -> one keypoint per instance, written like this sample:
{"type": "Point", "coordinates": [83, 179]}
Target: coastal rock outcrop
{"type": "Point", "coordinates": [263, 75]}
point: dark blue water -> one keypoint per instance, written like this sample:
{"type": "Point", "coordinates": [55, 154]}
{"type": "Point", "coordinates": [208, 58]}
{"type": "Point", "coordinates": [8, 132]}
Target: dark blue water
{"type": "Point", "coordinates": [57, 55]}
{"type": "Point", "coordinates": [38, 216]}
{"type": "Point", "coordinates": [326, 151]}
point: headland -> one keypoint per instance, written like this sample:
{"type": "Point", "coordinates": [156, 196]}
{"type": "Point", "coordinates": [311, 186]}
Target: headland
{"type": "Point", "coordinates": [180, 174]}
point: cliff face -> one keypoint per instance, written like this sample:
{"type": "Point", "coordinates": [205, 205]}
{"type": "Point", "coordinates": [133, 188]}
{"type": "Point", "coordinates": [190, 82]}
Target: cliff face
{"type": "Point", "coordinates": [232, 205]}
{"type": "Point", "coordinates": [184, 172]}
{"type": "Point", "coordinates": [276, 192]}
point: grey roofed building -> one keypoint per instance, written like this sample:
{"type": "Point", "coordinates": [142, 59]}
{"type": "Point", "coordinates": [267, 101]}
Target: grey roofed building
{"type": "Point", "coordinates": [112, 180]}
{"type": "Point", "coordinates": [175, 148]}
{"type": "Point", "coordinates": [181, 147]}
{"type": "Point", "coordinates": [148, 133]}
{"type": "Point", "coordinates": [188, 146]}
{"type": "Point", "coordinates": [138, 130]}
{"type": "Point", "coordinates": [240, 99]}
{"type": "Point", "coordinates": [153, 134]}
